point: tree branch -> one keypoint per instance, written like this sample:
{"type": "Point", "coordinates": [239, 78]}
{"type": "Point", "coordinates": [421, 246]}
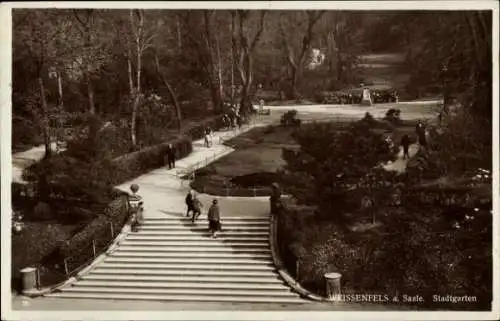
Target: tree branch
{"type": "Point", "coordinates": [288, 48]}
{"type": "Point", "coordinates": [259, 32]}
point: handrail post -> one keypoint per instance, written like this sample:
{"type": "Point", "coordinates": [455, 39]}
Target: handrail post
{"type": "Point", "coordinates": [38, 283]}
{"type": "Point", "coordinates": [112, 229]}
{"type": "Point", "coordinates": [93, 247]}
{"type": "Point", "coordinates": [297, 269]}
{"type": "Point", "coordinates": [66, 266]}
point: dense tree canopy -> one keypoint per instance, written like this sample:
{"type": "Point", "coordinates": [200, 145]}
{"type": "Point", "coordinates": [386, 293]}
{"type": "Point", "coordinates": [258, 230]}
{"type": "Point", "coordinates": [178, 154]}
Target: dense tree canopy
{"type": "Point", "coordinates": [110, 63]}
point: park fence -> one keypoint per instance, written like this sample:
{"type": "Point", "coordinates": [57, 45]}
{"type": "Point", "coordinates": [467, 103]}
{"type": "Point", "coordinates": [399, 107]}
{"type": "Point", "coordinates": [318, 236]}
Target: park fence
{"type": "Point", "coordinates": [85, 246]}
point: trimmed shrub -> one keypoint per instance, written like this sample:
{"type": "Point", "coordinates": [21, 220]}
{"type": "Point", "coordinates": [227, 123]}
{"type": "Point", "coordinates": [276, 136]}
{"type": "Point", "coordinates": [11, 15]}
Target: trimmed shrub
{"type": "Point", "coordinates": [197, 131]}
{"type": "Point", "coordinates": [78, 249]}
{"type": "Point", "coordinates": [134, 164]}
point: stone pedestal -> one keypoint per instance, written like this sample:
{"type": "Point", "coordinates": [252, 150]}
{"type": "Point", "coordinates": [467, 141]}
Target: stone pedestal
{"type": "Point", "coordinates": [29, 279]}
{"type": "Point", "coordinates": [333, 287]}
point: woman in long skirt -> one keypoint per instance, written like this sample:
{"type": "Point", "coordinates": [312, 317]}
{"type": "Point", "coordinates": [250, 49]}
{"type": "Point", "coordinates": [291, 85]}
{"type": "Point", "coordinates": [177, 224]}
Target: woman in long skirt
{"type": "Point", "coordinates": [214, 225]}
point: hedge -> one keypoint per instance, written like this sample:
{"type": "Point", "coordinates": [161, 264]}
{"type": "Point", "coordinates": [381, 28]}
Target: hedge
{"type": "Point", "coordinates": [197, 131]}
{"type": "Point", "coordinates": [131, 165]}
{"type": "Point", "coordinates": [78, 249]}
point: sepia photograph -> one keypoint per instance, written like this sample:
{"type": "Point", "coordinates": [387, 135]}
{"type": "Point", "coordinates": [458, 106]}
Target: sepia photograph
{"type": "Point", "coordinates": [309, 159]}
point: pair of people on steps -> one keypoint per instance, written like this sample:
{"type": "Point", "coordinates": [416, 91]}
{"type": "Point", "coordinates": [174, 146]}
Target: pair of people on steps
{"type": "Point", "coordinates": [213, 215]}
{"type": "Point", "coordinates": [193, 205]}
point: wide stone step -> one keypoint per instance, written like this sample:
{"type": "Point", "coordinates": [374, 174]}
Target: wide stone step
{"type": "Point", "coordinates": [179, 297]}
{"type": "Point", "coordinates": [182, 278]}
{"type": "Point", "coordinates": [187, 249]}
{"type": "Point", "coordinates": [229, 218]}
{"type": "Point", "coordinates": [195, 238]}
{"type": "Point", "coordinates": [204, 223]}
{"type": "Point", "coordinates": [219, 255]}
{"type": "Point", "coordinates": [183, 291]}
{"type": "Point", "coordinates": [183, 260]}
{"type": "Point", "coordinates": [194, 267]}
{"type": "Point", "coordinates": [204, 220]}
{"type": "Point", "coordinates": [200, 227]}
{"type": "Point", "coordinates": [187, 232]}
{"type": "Point", "coordinates": [176, 272]}
{"type": "Point", "coordinates": [181, 284]}
{"type": "Point", "coordinates": [206, 243]}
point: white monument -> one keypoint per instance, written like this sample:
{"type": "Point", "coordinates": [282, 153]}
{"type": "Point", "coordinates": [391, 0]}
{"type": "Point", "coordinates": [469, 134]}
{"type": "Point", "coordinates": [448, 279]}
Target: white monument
{"type": "Point", "coordinates": [366, 99]}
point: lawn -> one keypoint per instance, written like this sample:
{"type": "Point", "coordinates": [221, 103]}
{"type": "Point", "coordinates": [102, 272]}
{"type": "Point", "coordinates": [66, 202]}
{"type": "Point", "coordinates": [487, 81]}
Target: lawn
{"type": "Point", "coordinates": [258, 156]}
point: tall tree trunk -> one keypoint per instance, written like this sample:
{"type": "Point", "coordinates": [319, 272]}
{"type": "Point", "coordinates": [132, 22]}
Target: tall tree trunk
{"type": "Point", "coordinates": [137, 91]}
{"type": "Point", "coordinates": [130, 72]}
{"type": "Point", "coordinates": [219, 65]}
{"type": "Point", "coordinates": [214, 84]}
{"type": "Point", "coordinates": [294, 78]}
{"type": "Point", "coordinates": [45, 119]}
{"type": "Point", "coordinates": [233, 53]}
{"type": "Point", "coordinates": [179, 35]}
{"type": "Point", "coordinates": [88, 76]}
{"type": "Point", "coordinates": [172, 94]}
{"type": "Point", "coordinates": [60, 100]}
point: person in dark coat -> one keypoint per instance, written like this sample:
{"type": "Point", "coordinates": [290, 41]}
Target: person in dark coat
{"type": "Point", "coordinates": [214, 225]}
{"type": "Point", "coordinates": [419, 128]}
{"type": "Point", "coordinates": [189, 202]}
{"type": "Point", "coordinates": [197, 205]}
{"type": "Point", "coordinates": [239, 121]}
{"type": "Point", "coordinates": [405, 143]}
{"type": "Point", "coordinates": [170, 156]}
{"type": "Point", "coordinates": [422, 139]}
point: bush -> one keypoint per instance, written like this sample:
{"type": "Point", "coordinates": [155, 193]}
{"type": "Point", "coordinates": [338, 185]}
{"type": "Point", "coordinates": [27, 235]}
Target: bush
{"type": "Point", "coordinates": [134, 164]}
{"type": "Point", "coordinates": [393, 116]}
{"type": "Point", "coordinates": [395, 258]}
{"type": "Point", "coordinates": [78, 249]}
{"type": "Point", "coordinates": [290, 119]}
{"type": "Point", "coordinates": [197, 131]}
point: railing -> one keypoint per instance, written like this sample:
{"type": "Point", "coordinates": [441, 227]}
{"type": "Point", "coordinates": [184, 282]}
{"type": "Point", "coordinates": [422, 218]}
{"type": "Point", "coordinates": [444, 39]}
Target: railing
{"type": "Point", "coordinates": [290, 261]}
{"type": "Point", "coordinates": [189, 172]}
{"type": "Point", "coordinates": [69, 266]}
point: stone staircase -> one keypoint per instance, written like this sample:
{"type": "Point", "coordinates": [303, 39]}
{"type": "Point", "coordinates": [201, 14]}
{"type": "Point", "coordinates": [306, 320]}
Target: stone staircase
{"type": "Point", "coordinates": [172, 259]}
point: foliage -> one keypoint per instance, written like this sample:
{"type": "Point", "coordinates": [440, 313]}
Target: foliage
{"type": "Point", "coordinates": [329, 160]}
{"type": "Point", "coordinates": [131, 165]}
{"type": "Point", "coordinates": [290, 119]}
{"type": "Point", "coordinates": [411, 254]}
{"type": "Point", "coordinates": [393, 116]}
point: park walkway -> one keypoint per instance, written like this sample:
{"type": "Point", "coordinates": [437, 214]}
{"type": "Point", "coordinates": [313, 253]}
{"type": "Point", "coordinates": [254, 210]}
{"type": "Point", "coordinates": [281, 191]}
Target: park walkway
{"type": "Point", "coordinates": [172, 259]}
{"type": "Point", "coordinates": [23, 160]}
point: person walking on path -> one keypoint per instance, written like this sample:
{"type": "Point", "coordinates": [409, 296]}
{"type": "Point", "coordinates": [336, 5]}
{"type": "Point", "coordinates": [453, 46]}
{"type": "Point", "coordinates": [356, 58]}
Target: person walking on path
{"type": "Point", "coordinates": [421, 134]}
{"type": "Point", "coordinates": [208, 139]}
{"type": "Point", "coordinates": [214, 225]}
{"type": "Point", "coordinates": [170, 156]}
{"type": "Point", "coordinates": [197, 205]}
{"type": "Point", "coordinates": [405, 143]}
{"type": "Point", "coordinates": [190, 202]}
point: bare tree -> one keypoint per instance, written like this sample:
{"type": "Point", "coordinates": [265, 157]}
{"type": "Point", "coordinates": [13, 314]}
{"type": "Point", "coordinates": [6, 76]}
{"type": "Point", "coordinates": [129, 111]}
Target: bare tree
{"type": "Point", "coordinates": [140, 39]}
{"type": "Point", "coordinates": [296, 57]}
{"type": "Point", "coordinates": [86, 30]}
{"type": "Point", "coordinates": [244, 49]}
{"type": "Point", "coordinates": [37, 34]}
{"type": "Point", "coordinates": [202, 39]}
